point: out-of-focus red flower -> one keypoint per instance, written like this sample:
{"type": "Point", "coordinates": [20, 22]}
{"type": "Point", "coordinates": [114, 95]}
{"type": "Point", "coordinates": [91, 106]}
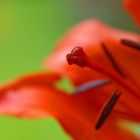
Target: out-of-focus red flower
{"type": "Point", "coordinates": [133, 7]}
{"type": "Point", "coordinates": [116, 52]}
{"type": "Point", "coordinates": [36, 95]}
{"type": "Point", "coordinates": [113, 58]}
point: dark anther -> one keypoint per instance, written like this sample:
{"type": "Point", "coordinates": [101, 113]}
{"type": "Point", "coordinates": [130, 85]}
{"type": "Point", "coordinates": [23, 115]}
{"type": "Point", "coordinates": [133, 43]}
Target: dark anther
{"type": "Point", "coordinates": [131, 44]}
{"type": "Point", "coordinates": [112, 60]}
{"type": "Point", "coordinates": [91, 85]}
{"type": "Point", "coordinates": [106, 110]}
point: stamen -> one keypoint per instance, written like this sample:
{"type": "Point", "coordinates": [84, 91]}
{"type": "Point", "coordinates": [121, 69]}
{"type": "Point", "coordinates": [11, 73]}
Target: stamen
{"type": "Point", "coordinates": [78, 57]}
{"type": "Point", "coordinates": [112, 60]}
{"type": "Point", "coordinates": [107, 109]}
{"type": "Point", "coordinates": [131, 44]}
{"type": "Point", "coordinates": [90, 85]}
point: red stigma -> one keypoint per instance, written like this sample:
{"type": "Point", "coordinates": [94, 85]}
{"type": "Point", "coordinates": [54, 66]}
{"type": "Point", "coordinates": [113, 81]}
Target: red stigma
{"type": "Point", "coordinates": [77, 56]}
{"type": "Point", "coordinates": [80, 58]}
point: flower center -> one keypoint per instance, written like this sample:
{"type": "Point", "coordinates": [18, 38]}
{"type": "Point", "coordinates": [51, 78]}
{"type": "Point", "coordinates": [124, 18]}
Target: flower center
{"type": "Point", "coordinates": [80, 58]}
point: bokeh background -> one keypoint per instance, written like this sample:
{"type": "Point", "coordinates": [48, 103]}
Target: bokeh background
{"type": "Point", "coordinates": [29, 30]}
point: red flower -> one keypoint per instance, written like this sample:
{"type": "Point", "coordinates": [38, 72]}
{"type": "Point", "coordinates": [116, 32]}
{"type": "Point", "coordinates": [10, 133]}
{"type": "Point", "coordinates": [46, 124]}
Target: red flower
{"type": "Point", "coordinates": [114, 55]}
{"type": "Point", "coordinates": [113, 61]}
{"type": "Point", "coordinates": [36, 95]}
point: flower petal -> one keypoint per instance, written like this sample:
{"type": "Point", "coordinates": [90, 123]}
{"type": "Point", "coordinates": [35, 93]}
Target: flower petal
{"type": "Point", "coordinates": [31, 96]}
{"type": "Point", "coordinates": [112, 131]}
{"type": "Point", "coordinates": [101, 42]}
{"type": "Point", "coordinates": [133, 7]}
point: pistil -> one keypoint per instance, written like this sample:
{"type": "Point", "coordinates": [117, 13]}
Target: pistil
{"type": "Point", "coordinates": [80, 58]}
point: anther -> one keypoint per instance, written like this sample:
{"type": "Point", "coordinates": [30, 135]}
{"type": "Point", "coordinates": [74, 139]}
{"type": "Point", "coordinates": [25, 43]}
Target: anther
{"type": "Point", "coordinates": [91, 85]}
{"type": "Point", "coordinates": [107, 109]}
{"type": "Point", "coordinates": [131, 44]}
{"type": "Point", "coordinates": [112, 60]}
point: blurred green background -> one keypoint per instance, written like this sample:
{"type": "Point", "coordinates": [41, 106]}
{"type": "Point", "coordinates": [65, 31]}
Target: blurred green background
{"type": "Point", "coordinates": [28, 32]}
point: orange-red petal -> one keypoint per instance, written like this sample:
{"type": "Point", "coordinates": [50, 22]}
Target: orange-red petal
{"type": "Point", "coordinates": [31, 96]}
{"type": "Point", "coordinates": [90, 35]}
{"type": "Point", "coordinates": [35, 95]}
{"type": "Point", "coordinates": [133, 7]}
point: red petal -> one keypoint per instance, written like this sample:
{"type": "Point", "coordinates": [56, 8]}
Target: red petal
{"type": "Point", "coordinates": [133, 7]}
{"type": "Point", "coordinates": [113, 131]}
{"type": "Point", "coordinates": [31, 96]}
{"type": "Point", "coordinates": [90, 34]}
